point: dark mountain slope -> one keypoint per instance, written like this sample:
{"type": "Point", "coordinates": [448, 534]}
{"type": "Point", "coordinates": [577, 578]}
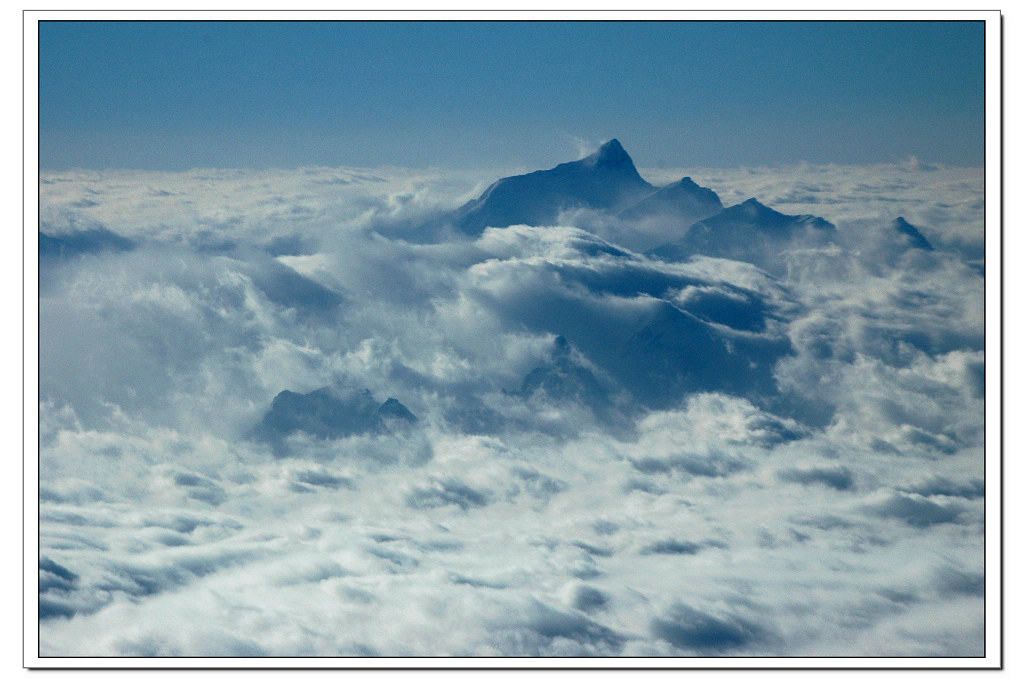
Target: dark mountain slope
{"type": "Point", "coordinates": [750, 232]}
{"type": "Point", "coordinates": [604, 180]}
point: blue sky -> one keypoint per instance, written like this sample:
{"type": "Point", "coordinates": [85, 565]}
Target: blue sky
{"type": "Point", "coordinates": [178, 95]}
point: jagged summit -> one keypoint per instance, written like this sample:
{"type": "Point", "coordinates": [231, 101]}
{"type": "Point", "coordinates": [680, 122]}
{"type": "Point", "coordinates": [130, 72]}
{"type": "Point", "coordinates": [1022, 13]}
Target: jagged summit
{"type": "Point", "coordinates": [393, 409]}
{"type": "Point", "coordinates": [750, 232]}
{"type": "Point", "coordinates": [912, 235]}
{"type": "Point", "coordinates": [329, 413]}
{"type": "Point", "coordinates": [644, 216]}
{"type": "Point", "coordinates": [685, 200]}
{"type": "Point", "coordinates": [605, 180]}
{"type": "Point", "coordinates": [610, 161]}
{"type": "Point", "coordinates": [610, 154]}
{"type": "Point", "coordinates": [753, 209]}
{"type": "Point", "coordinates": [756, 213]}
{"type": "Point", "coordinates": [565, 379]}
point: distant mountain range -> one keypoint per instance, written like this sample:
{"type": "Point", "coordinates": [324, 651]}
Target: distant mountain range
{"type": "Point", "coordinates": [329, 413]}
{"type": "Point", "coordinates": [750, 232]}
{"type": "Point", "coordinates": [711, 336]}
{"type": "Point", "coordinates": [607, 182]}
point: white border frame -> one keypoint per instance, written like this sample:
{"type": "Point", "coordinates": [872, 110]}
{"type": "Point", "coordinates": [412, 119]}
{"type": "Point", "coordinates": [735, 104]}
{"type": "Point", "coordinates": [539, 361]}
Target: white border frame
{"type": "Point", "coordinates": [993, 351]}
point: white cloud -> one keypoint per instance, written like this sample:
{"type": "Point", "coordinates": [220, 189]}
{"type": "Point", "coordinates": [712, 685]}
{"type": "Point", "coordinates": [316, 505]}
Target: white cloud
{"type": "Point", "coordinates": [838, 515]}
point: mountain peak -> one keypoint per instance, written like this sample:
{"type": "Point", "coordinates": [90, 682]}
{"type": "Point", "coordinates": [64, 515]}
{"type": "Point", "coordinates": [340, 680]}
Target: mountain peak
{"type": "Point", "coordinates": [393, 409]}
{"type": "Point", "coordinates": [912, 234]}
{"type": "Point", "coordinates": [685, 201]}
{"type": "Point", "coordinates": [754, 210]}
{"type": "Point", "coordinates": [610, 154]}
{"type": "Point", "coordinates": [605, 180]}
{"type": "Point", "coordinates": [329, 412]}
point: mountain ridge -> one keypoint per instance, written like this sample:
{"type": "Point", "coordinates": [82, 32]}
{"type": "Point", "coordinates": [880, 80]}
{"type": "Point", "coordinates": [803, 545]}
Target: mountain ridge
{"type": "Point", "coordinates": [605, 180]}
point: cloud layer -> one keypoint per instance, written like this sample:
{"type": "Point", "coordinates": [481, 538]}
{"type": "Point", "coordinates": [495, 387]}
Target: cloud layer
{"type": "Point", "coordinates": [808, 481]}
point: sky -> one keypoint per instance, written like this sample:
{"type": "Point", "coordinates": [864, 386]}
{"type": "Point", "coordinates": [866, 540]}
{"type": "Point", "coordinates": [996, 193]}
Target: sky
{"type": "Point", "coordinates": [182, 95]}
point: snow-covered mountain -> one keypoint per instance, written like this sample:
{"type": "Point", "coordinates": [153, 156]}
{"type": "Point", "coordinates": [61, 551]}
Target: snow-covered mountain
{"type": "Point", "coordinates": [636, 213]}
{"type": "Point", "coordinates": [911, 236]}
{"type": "Point", "coordinates": [674, 330]}
{"type": "Point", "coordinates": [330, 413]}
{"type": "Point", "coordinates": [750, 232]}
{"type": "Point", "coordinates": [684, 199]}
{"type": "Point", "coordinates": [605, 180]}
{"type": "Point", "coordinates": [692, 334]}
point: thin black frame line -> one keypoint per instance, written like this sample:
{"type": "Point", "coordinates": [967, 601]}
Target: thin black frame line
{"type": "Point", "coordinates": [478, 11]}
{"type": "Point", "coordinates": [513, 668]}
{"type": "Point", "coordinates": [24, 449]}
{"type": "Point", "coordinates": [1002, 348]}
{"type": "Point", "coordinates": [520, 21]}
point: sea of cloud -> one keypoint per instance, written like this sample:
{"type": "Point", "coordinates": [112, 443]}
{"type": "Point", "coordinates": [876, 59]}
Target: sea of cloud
{"type": "Point", "coordinates": [849, 523]}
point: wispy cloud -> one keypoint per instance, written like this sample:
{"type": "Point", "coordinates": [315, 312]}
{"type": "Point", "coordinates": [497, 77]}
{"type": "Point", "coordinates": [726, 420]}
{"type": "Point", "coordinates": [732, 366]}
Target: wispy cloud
{"type": "Point", "coordinates": [551, 498]}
